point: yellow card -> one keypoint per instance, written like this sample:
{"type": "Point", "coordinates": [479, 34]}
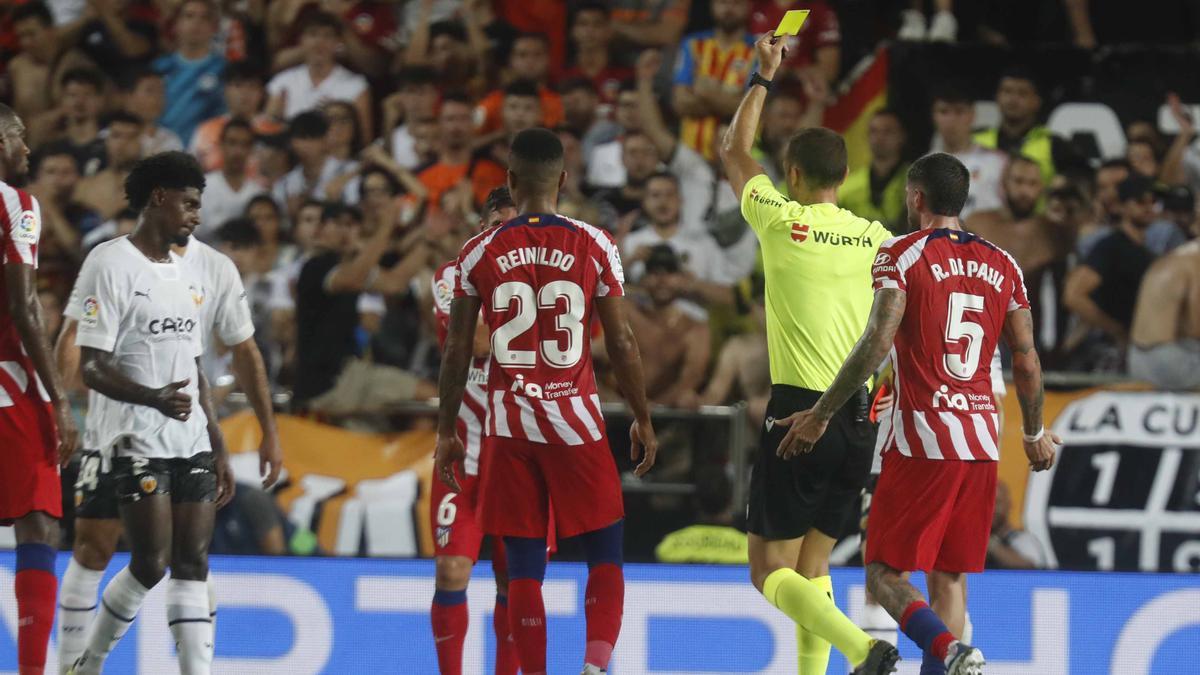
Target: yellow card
{"type": "Point", "coordinates": [791, 23]}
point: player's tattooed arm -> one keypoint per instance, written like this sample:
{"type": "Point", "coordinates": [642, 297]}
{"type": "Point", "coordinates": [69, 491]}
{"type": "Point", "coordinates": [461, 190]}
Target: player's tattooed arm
{"type": "Point", "coordinates": [1027, 368]}
{"type": "Point", "coordinates": [216, 439]}
{"type": "Point", "coordinates": [456, 363]}
{"type": "Point", "coordinates": [886, 314]}
{"type": "Point", "coordinates": [101, 375]}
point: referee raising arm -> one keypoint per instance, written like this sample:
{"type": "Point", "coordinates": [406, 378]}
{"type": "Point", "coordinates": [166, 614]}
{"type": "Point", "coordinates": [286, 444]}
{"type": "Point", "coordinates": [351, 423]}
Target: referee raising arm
{"type": "Point", "coordinates": [817, 261]}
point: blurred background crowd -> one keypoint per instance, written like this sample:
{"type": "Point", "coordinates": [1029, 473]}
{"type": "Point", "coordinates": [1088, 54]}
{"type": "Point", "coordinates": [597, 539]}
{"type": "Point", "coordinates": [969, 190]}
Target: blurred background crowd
{"type": "Point", "coordinates": [364, 135]}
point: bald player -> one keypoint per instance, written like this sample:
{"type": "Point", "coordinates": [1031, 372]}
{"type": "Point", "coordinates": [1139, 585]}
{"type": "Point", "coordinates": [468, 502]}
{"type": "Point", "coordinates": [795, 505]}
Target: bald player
{"type": "Point", "coordinates": [1165, 339]}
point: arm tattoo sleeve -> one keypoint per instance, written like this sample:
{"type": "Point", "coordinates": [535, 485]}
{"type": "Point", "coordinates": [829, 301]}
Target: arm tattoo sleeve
{"type": "Point", "coordinates": [868, 352]}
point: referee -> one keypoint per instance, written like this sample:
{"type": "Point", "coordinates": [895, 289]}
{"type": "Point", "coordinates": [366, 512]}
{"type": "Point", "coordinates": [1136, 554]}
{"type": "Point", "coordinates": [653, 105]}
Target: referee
{"type": "Point", "coordinates": [817, 261]}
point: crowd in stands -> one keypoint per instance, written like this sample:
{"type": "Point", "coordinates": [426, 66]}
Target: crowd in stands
{"type": "Point", "coordinates": [350, 144]}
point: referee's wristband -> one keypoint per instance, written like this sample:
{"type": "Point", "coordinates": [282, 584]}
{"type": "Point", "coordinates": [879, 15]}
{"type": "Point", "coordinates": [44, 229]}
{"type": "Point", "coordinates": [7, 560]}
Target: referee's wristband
{"type": "Point", "coordinates": [756, 78]}
{"type": "Point", "coordinates": [1036, 437]}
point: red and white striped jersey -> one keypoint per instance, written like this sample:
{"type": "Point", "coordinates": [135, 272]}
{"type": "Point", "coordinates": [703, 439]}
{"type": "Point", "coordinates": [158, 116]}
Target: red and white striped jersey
{"type": "Point", "coordinates": [960, 290]}
{"type": "Point", "coordinates": [537, 276]}
{"type": "Point", "coordinates": [473, 411]}
{"type": "Point", "coordinates": [20, 228]}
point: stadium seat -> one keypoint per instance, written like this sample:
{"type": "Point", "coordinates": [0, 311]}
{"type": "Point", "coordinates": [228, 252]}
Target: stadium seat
{"type": "Point", "coordinates": [1094, 119]}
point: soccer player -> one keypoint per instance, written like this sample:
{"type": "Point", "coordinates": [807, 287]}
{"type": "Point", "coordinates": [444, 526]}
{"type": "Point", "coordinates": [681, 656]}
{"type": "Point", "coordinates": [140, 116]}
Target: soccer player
{"type": "Point", "coordinates": [36, 428]}
{"type": "Point", "coordinates": [141, 336]}
{"type": "Point", "coordinates": [817, 262]}
{"type": "Point", "coordinates": [940, 435]}
{"type": "Point", "coordinates": [453, 516]}
{"type": "Point", "coordinates": [540, 278]}
{"type": "Point", "coordinates": [224, 314]}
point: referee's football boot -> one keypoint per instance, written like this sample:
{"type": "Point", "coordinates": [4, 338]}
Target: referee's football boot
{"type": "Point", "coordinates": [881, 660]}
{"type": "Point", "coordinates": [964, 660]}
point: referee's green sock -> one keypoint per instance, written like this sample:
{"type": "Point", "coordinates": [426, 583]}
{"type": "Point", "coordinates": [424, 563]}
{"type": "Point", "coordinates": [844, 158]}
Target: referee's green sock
{"type": "Point", "coordinates": [812, 650]}
{"type": "Point", "coordinates": [809, 606]}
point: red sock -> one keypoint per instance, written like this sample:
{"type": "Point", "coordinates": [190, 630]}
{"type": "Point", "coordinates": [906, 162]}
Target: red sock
{"type": "Point", "coordinates": [36, 589]}
{"type": "Point", "coordinates": [603, 602]}
{"type": "Point", "coordinates": [527, 621]}
{"type": "Point", "coordinates": [449, 618]}
{"type": "Point", "coordinates": [506, 650]}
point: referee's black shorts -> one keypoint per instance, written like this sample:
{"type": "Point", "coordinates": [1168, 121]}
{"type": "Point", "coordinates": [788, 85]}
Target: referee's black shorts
{"type": "Point", "coordinates": [815, 490]}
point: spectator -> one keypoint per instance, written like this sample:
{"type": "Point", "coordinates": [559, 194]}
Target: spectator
{"type": "Point", "coordinates": [1162, 235]}
{"type": "Point", "coordinates": [742, 371]}
{"type": "Point", "coordinates": [1019, 133]}
{"type": "Point", "coordinates": [1010, 547]}
{"type": "Point", "coordinates": [1012, 223]}
{"type": "Point", "coordinates": [528, 60]}
{"type": "Point", "coordinates": [114, 35]}
{"type": "Point", "coordinates": [572, 202]}
{"type": "Point", "coordinates": [1102, 291]}
{"type": "Point", "coordinates": [818, 45]}
{"type": "Point", "coordinates": [244, 95]}
{"type": "Point", "coordinates": [76, 119]}
{"type": "Point", "coordinates": [605, 168]}
{"type": "Point", "coordinates": [639, 160]}
{"type": "Point", "coordinates": [369, 36]}
{"type": "Point", "coordinates": [522, 109]}
{"type": "Point", "coordinates": [1171, 229]}
{"type": "Point", "coordinates": [583, 114]}
{"type": "Point", "coordinates": [119, 226]}
{"type": "Point", "coordinates": [713, 540]}
{"type": "Point", "coordinates": [229, 190]}
{"type": "Point", "coordinates": [591, 31]}
{"type": "Point", "coordinates": [415, 101]}
{"type": "Point", "coordinates": [876, 192]}
{"type": "Point", "coordinates": [953, 119]}
{"type": "Point", "coordinates": [345, 141]}
{"type": "Point", "coordinates": [710, 73]}
{"type": "Point", "coordinates": [54, 173]}
{"type": "Point", "coordinates": [251, 525]}
{"type": "Point", "coordinates": [705, 274]}
{"type": "Point", "coordinates": [104, 191]}
{"type": "Point", "coordinates": [650, 23]}
{"type": "Point", "coordinates": [144, 94]}
{"type": "Point", "coordinates": [454, 162]}
{"type": "Point", "coordinates": [444, 46]}
{"type": "Point", "coordinates": [193, 71]}
{"type": "Point", "coordinates": [308, 136]}
{"type": "Point", "coordinates": [943, 27]}
{"type": "Point", "coordinates": [1058, 228]}
{"type": "Point", "coordinates": [320, 78]}
{"type": "Point", "coordinates": [1164, 347]}
{"type": "Point", "coordinates": [783, 116]}
{"type": "Point", "coordinates": [674, 341]}
{"type": "Point", "coordinates": [274, 253]}
{"type": "Point", "coordinates": [38, 70]}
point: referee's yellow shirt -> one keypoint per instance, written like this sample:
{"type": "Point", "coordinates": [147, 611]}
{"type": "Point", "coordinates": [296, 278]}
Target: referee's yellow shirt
{"type": "Point", "coordinates": [817, 263]}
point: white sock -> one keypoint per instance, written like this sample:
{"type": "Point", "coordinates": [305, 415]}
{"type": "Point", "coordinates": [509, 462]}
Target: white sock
{"type": "Point", "coordinates": [76, 607]}
{"type": "Point", "coordinates": [188, 616]}
{"type": "Point", "coordinates": [212, 602]}
{"type": "Point", "coordinates": [968, 630]}
{"type": "Point", "coordinates": [119, 606]}
{"type": "Point", "coordinates": [877, 623]}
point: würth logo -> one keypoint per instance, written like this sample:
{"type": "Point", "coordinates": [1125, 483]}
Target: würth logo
{"type": "Point", "coordinates": [799, 232]}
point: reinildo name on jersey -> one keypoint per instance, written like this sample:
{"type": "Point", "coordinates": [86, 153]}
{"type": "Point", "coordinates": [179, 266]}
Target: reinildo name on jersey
{"type": "Point", "coordinates": [972, 268]}
{"type": "Point", "coordinates": [535, 255]}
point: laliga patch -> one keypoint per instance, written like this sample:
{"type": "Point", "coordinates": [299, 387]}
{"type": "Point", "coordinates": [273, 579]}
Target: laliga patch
{"type": "Point", "coordinates": [91, 312]}
{"type": "Point", "coordinates": [443, 293]}
{"type": "Point", "coordinates": [148, 483]}
{"type": "Point", "coordinates": [28, 228]}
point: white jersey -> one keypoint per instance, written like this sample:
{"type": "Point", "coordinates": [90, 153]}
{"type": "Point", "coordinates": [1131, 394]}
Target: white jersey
{"type": "Point", "coordinates": [114, 300]}
{"type": "Point", "coordinates": [986, 191]}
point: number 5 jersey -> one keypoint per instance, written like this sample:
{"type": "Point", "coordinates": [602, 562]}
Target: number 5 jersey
{"type": "Point", "coordinates": [537, 277]}
{"type": "Point", "coordinates": [960, 289]}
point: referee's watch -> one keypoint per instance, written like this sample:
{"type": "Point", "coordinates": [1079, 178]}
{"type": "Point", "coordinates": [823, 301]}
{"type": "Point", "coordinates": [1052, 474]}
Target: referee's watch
{"type": "Point", "coordinates": [755, 78]}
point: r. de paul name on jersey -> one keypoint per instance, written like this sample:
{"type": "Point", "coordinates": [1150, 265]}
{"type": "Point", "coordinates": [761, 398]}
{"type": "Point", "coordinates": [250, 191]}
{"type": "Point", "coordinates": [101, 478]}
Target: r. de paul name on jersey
{"type": "Point", "coordinates": [972, 268]}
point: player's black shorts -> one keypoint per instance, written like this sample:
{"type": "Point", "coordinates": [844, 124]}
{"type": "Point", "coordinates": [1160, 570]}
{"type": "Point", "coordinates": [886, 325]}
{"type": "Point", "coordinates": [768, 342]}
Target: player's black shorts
{"type": "Point", "coordinates": [815, 490]}
{"type": "Point", "coordinates": [190, 479]}
{"type": "Point", "coordinates": [95, 489]}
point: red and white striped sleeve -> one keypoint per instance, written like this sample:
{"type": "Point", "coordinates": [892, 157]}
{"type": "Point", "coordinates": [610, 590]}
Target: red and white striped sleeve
{"type": "Point", "coordinates": [607, 258]}
{"type": "Point", "coordinates": [21, 222]}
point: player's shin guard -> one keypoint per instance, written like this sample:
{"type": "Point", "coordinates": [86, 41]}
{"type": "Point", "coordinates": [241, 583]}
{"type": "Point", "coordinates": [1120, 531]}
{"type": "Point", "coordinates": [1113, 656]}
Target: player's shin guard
{"type": "Point", "coordinates": [191, 625]}
{"type": "Point", "coordinates": [119, 605]}
{"type": "Point", "coordinates": [36, 588]}
{"type": "Point", "coordinates": [924, 627]}
{"type": "Point", "coordinates": [448, 616]}
{"type": "Point", "coordinates": [604, 599]}
{"type": "Point", "coordinates": [812, 650]}
{"type": "Point", "coordinates": [506, 649]}
{"type": "Point", "coordinates": [526, 612]}
{"type": "Point", "coordinates": [76, 607]}
{"type": "Point", "coordinates": [810, 607]}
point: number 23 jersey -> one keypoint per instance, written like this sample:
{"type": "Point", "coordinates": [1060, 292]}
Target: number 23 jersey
{"type": "Point", "coordinates": [960, 290]}
{"type": "Point", "coordinates": [537, 277]}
